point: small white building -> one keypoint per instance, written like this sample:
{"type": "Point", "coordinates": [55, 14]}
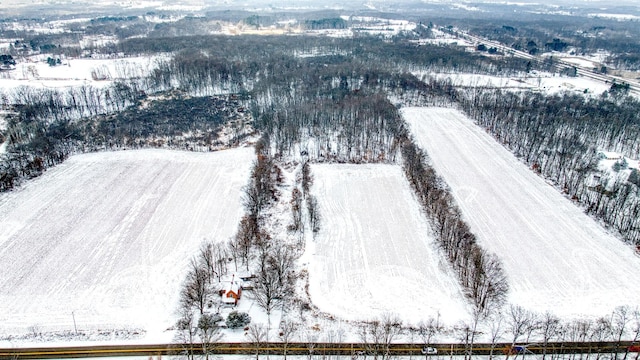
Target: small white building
{"type": "Point", "coordinates": [609, 155]}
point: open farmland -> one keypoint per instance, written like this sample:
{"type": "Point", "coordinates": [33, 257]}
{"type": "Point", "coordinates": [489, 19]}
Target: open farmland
{"type": "Point", "coordinates": [544, 82]}
{"type": "Point", "coordinates": [374, 253]}
{"type": "Point", "coordinates": [556, 257]}
{"type": "Point", "coordinates": [107, 237]}
{"type": "Point", "coordinates": [35, 72]}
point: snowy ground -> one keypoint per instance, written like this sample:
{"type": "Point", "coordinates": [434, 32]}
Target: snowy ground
{"type": "Point", "coordinates": [35, 72]}
{"type": "Point", "coordinates": [106, 238]}
{"type": "Point", "coordinates": [544, 82]}
{"type": "Point", "coordinates": [555, 256]}
{"type": "Point", "coordinates": [607, 168]}
{"type": "Point", "coordinates": [445, 41]}
{"type": "Point", "coordinates": [586, 63]}
{"type": "Point", "coordinates": [619, 17]}
{"type": "Point", "coordinates": [374, 253]}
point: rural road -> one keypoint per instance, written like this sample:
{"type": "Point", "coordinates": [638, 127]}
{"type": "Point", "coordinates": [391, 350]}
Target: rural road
{"type": "Point", "coordinates": [345, 349]}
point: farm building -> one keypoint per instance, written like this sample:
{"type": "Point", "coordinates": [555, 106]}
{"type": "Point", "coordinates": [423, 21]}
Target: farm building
{"type": "Point", "coordinates": [232, 292]}
{"type": "Point", "coordinates": [609, 155]}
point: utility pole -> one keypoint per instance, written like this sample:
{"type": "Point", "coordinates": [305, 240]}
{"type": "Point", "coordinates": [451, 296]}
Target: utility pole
{"type": "Point", "coordinates": [74, 322]}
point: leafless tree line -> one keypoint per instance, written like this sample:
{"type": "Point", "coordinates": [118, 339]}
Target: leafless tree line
{"type": "Point", "coordinates": [559, 137]}
{"type": "Point", "coordinates": [273, 260]}
{"type": "Point", "coordinates": [379, 334]}
{"type": "Point", "coordinates": [270, 261]}
{"type": "Point", "coordinates": [513, 325]}
{"type": "Point", "coordinates": [517, 325]}
{"type": "Point", "coordinates": [37, 140]}
{"type": "Point", "coordinates": [479, 272]}
{"type": "Point", "coordinates": [198, 295]}
{"type": "Point", "coordinates": [50, 105]}
{"type": "Point", "coordinates": [337, 100]}
{"type": "Point", "coordinates": [297, 206]}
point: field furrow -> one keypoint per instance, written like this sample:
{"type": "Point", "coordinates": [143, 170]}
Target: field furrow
{"type": "Point", "coordinates": [374, 253]}
{"type": "Point", "coordinates": [556, 257]}
{"type": "Point", "coordinates": [108, 236]}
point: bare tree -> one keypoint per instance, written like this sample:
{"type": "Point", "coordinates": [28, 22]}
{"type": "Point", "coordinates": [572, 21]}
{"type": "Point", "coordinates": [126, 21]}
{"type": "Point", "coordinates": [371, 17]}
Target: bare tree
{"type": "Point", "coordinates": [267, 292]}
{"type": "Point", "coordinates": [635, 329]}
{"type": "Point", "coordinates": [311, 339]}
{"type": "Point", "coordinates": [261, 189]}
{"type": "Point", "coordinates": [196, 290]}
{"type": "Point", "coordinates": [391, 330]}
{"type": "Point", "coordinates": [489, 287]}
{"type": "Point", "coordinates": [496, 331]}
{"type": "Point", "coordinates": [307, 179]}
{"type": "Point", "coordinates": [252, 200]}
{"type": "Point", "coordinates": [550, 328]}
{"type": "Point", "coordinates": [221, 259]}
{"type": "Point", "coordinates": [519, 321]}
{"type": "Point", "coordinates": [209, 332]}
{"type": "Point", "coordinates": [464, 332]}
{"type": "Point", "coordinates": [314, 213]}
{"type": "Point", "coordinates": [235, 251]}
{"type": "Point", "coordinates": [287, 331]}
{"type": "Point", "coordinates": [296, 210]}
{"type": "Point", "coordinates": [583, 329]}
{"type": "Point", "coordinates": [619, 320]}
{"type": "Point", "coordinates": [281, 262]}
{"type": "Point", "coordinates": [412, 332]}
{"type": "Point", "coordinates": [368, 333]}
{"type": "Point", "coordinates": [257, 335]}
{"type": "Point", "coordinates": [577, 330]}
{"type": "Point", "coordinates": [635, 324]}
{"type": "Point", "coordinates": [246, 238]}
{"type": "Point", "coordinates": [207, 257]}
{"type": "Point", "coordinates": [601, 331]}
{"type": "Point", "coordinates": [186, 332]}
{"type": "Point", "coordinates": [377, 335]}
{"type": "Point", "coordinates": [478, 315]}
{"type": "Point", "coordinates": [429, 330]}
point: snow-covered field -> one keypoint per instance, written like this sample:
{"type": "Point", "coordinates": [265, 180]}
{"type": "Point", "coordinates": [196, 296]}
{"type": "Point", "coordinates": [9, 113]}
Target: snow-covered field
{"type": "Point", "coordinates": [556, 257]}
{"type": "Point", "coordinates": [445, 41]}
{"type": "Point", "coordinates": [77, 72]}
{"type": "Point", "coordinates": [374, 253]}
{"type": "Point", "coordinates": [545, 82]}
{"type": "Point", "coordinates": [586, 63]}
{"type": "Point", "coordinates": [105, 238]}
{"type": "Point", "coordinates": [619, 17]}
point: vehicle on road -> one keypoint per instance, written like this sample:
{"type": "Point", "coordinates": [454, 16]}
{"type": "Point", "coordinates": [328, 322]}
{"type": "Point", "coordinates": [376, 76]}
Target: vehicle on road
{"type": "Point", "coordinates": [429, 351]}
{"type": "Point", "coordinates": [514, 350]}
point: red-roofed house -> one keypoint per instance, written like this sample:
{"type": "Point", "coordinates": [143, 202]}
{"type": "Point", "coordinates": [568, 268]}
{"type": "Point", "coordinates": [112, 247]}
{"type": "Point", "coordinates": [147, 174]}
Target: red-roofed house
{"type": "Point", "coordinates": [231, 294]}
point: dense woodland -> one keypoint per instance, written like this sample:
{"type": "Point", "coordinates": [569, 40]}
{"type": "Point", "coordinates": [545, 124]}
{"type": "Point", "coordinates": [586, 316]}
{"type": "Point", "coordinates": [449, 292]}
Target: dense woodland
{"type": "Point", "coordinates": [273, 76]}
{"type": "Point", "coordinates": [43, 134]}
